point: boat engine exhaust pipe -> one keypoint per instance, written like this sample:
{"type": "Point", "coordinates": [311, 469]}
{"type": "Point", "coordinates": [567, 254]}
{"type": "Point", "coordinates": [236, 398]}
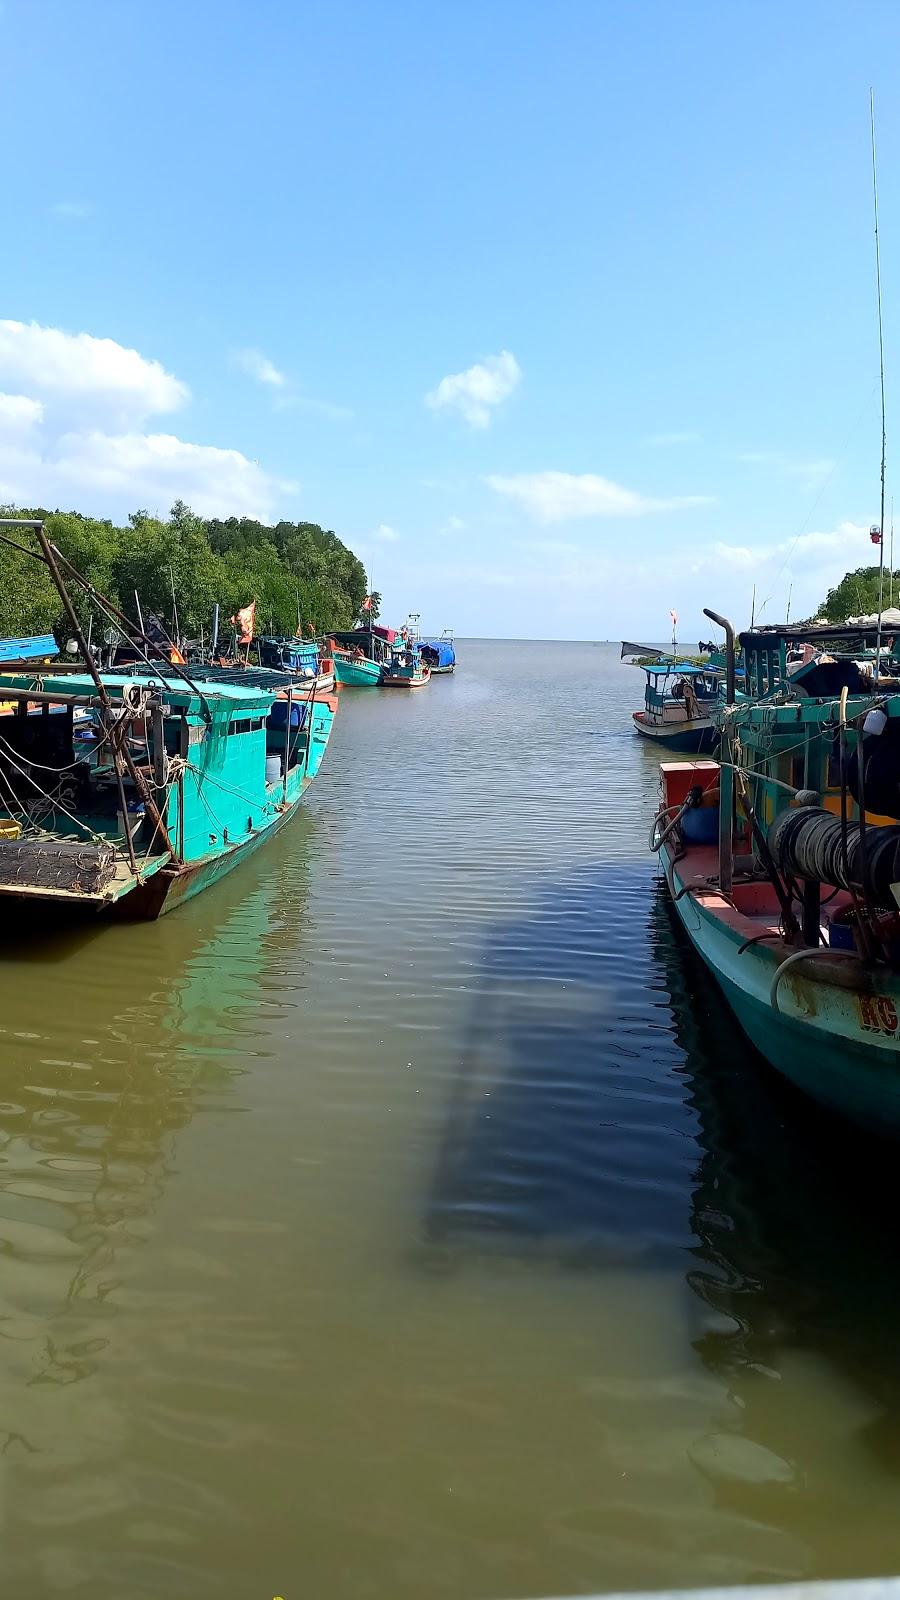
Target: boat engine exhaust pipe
{"type": "Point", "coordinates": [730, 690]}
{"type": "Point", "coordinates": [726, 770]}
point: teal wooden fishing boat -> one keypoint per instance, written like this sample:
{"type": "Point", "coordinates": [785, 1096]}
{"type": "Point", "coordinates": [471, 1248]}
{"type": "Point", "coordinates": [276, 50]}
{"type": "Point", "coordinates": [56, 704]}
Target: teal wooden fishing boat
{"type": "Point", "coordinates": [361, 655]}
{"type": "Point", "coordinates": [182, 782]}
{"type": "Point", "coordinates": [406, 669]}
{"type": "Point", "coordinates": [783, 862]}
{"type": "Point", "coordinates": [679, 700]}
{"type": "Point", "coordinates": [184, 776]}
{"type": "Point", "coordinates": [356, 671]}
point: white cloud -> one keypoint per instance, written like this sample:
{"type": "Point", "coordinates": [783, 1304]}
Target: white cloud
{"type": "Point", "coordinates": [18, 412]}
{"type": "Point", "coordinates": [477, 390]}
{"type": "Point", "coordinates": [386, 533]}
{"type": "Point", "coordinates": [75, 370]}
{"type": "Point", "coordinates": [71, 210]}
{"type": "Point", "coordinates": [73, 433]}
{"type": "Point", "coordinates": [259, 367]}
{"type": "Point", "coordinates": [561, 496]}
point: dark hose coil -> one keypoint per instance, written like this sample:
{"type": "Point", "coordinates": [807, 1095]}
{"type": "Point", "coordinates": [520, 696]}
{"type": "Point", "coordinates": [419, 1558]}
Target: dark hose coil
{"type": "Point", "coordinates": [806, 843]}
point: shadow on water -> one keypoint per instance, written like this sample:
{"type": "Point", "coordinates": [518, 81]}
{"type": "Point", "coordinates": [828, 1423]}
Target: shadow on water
{"type": "Point", "coordinates": [568, 1085]}
{"type": "Point", "coordinates": [607, 1111]}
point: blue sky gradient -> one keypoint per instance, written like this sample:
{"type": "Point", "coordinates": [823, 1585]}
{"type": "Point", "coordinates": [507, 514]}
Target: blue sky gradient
{"type": "Point", "coordinates": [661, 213]}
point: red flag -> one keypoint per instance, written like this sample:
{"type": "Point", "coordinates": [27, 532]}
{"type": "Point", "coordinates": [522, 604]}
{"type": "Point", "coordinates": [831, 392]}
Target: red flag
{"type": "Point", "coordinates": [875, 533]}
{"type": "Point", "coordinates": [367, 603]}
{"type": "Point", "coordinates": [674, 616]}
{"type": "Point", "coordinates": [311, 628]}
{"type": "Point", "coordinates": [245, 619]}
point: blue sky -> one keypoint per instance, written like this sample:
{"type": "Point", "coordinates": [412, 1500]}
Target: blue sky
{"type": "Point", "coordinates": [561, 315]}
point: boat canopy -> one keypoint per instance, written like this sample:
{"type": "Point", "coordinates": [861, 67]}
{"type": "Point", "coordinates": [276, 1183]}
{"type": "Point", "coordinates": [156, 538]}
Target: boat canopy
{"type": "Point", "coordinates": [438, 652]}
{"type": "Point", "coordinates": [288, 654]}
{"type": "Point", "coordinates": [353, 636]}
{"type": "Point", "coordinates": [233, 693]}
{"type": "Point", "coordinates": [39, 647]}
{"type": "Point", "coordinates": [680, 669]}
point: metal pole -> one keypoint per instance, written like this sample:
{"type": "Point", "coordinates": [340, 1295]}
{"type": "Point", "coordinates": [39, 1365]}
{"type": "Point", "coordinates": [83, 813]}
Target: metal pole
{"type": "Point", "coordinates": [883, 425]}
{"type": "Point", "coordinates": [174, 608]}
{"type": "Point", "coordinates": [137, 601]}
{"type": "Point", "coordinates": [214, 642]}
{"type": "Point", "coordinates": [122, 754]}
{"type": "Point", "coordinates": [726, 767]}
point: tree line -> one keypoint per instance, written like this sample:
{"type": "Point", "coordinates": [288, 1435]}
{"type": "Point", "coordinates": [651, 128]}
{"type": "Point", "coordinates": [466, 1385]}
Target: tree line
{"type": "Point", "coordinates": [297, 572]}
{"type": "Point", "coordinates": [857, 594]}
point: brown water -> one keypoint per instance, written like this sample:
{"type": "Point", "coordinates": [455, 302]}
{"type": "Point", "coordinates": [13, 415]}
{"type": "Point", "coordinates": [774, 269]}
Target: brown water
{"type": "Point", "coordinates": [406, 1218]}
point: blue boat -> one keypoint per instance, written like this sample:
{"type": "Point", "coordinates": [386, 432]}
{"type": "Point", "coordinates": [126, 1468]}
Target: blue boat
{"type": "Point", "coordinates": [185, 778]}
{"type": "Point", "coordinates": [439, 654]}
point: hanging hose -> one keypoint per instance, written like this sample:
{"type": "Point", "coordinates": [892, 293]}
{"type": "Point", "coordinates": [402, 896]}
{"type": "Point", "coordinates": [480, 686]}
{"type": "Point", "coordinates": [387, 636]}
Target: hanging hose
{"type": "Point", "coordinates": [802, 955]}
{"type": "Point", "coordinates": [657, 840]}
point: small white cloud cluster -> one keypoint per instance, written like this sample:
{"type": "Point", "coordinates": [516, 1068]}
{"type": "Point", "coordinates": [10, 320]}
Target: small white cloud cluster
{"type": "Point", "coordinates": [561, 496]}
{"type": "Point", "coordinates": [258, 366]}
{"type": "Point", "coordinates": [73, 415]}
{"type": "Point", "coordinates": [475, 392]}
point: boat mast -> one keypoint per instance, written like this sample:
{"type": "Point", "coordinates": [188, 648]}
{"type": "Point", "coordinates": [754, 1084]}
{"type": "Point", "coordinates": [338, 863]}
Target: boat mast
{"type": "Point", "coordinates": [881, 360]}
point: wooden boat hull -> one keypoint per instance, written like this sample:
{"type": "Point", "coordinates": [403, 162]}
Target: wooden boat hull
{"type": "Point", "coordinates": [694, 737]}
{"type": "Point", "coordinates": [172, 886]}
{"type": "Point", "coordinates": [166, 884]}
{"type": "Point", "coordinates": [357, 674]}
{"type": "Point", "coordinates": [834, 1033]}
{"type": "Point", "coordinates": [396, 680]}
{"type": "Point", "coordinates": [440, 672]}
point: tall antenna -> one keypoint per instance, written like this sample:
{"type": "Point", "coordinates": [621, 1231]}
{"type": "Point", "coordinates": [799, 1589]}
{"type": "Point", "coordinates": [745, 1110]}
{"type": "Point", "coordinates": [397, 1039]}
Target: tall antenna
{"type": "Point", "coordinates": [891, 600]}
{"type": "Point", "coordinates": [881, 360]}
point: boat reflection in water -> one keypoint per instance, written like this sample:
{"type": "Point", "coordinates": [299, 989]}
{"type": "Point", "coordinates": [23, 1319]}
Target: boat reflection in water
{"type": "Point", "coordinates": [673, 1147]}
{"type": "Point", "coordinates": [110, 1338]}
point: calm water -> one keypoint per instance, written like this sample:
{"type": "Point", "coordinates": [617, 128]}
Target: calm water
{"type": "Point", "coordinates": [405, 1217]}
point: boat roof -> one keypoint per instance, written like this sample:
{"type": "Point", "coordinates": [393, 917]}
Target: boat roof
{"type": "Point", "coordinates": [174, 689]}
{"type": "Point", "coordinates": [683, 669]}
{"type": "Point", "coordinates": [816, 632]}
{"type": "Point", "coordinates": [35, 647]}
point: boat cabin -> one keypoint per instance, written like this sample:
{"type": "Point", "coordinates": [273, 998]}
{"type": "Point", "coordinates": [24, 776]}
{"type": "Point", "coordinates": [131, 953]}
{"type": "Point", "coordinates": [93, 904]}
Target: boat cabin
{"type": "Point", "coordinates": [217, 761]}
{"type": "Point", "coordinates": [679, 690]}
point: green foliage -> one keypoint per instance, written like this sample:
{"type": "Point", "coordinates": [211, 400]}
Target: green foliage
{"type": "Point", "coordinates": [294, 571]}
{"type": "Point", "coordinates": [857, 594]}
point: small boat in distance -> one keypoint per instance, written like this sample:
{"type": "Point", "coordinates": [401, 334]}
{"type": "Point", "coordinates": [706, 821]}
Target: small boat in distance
{"type": "Point", "coordinates": [406, 669]}
{"type": "Point", "coordinates": [679, 699]}
{"type": "Point", "coordinates": [439, 654]}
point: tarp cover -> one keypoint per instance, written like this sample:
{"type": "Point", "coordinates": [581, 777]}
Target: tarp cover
{"type": "Point", "coordinates": [438, 652]}
{"type": "Point", "coordinates": [36, 648]}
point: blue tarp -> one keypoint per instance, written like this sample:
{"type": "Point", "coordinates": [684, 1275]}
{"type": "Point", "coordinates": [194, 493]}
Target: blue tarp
{"type": "Point", "coordinates": [442, 649]}
{"type": "Point", "coordinates": [37, 648]}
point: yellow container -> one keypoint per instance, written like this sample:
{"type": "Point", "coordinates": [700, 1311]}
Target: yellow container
{"type": "Point", "coordinates": [9, 829]}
